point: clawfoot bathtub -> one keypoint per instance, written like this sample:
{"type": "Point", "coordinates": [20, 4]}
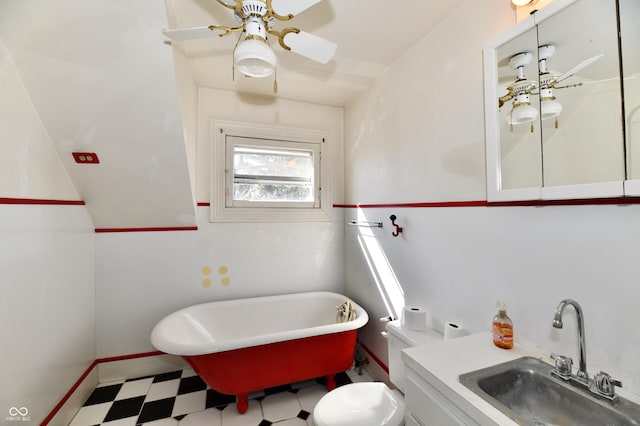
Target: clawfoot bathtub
{"type": "Point", "coordinates": [245, 345]}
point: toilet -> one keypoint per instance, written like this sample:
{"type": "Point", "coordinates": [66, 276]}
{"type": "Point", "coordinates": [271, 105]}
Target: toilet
{"type": "Point", "coordinates": [374, 403]}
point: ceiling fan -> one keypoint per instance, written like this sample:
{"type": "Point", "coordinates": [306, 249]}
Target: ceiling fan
{"type": "Point", "coordinates": [550, 107]}
{"type": "Point", "coordinates": [256, 19]}
{"type": "Point", "coordinates": [519, 91]}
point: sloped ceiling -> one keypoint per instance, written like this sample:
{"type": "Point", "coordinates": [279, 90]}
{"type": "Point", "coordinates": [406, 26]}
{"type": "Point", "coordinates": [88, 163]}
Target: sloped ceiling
{"type": "Point", "coordinates": [100, 76]}
{"type": "Point", "coordinates": [101, 80]}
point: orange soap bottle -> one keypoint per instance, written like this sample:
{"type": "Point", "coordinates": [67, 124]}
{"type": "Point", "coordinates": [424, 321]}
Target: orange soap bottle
{"type": "Point", "coordinates": [502, 328]}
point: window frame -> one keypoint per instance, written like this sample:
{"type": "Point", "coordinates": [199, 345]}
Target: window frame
{"type": "Point", "coordinates": [225, 135]}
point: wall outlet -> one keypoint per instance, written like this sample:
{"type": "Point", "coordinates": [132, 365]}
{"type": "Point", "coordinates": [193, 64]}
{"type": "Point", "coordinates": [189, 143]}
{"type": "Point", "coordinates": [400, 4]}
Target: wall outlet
{"type": "Point", "coordinates": [85, 157]}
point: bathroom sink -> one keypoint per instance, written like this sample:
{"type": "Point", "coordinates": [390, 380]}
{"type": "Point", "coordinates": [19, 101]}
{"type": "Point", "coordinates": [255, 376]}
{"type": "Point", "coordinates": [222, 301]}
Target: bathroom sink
{"type": "Point", "coordinates": [525, 391]}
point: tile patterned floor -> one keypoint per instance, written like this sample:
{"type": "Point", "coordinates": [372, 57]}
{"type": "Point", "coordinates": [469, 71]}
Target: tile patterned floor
{"type": "Point", "coordinates": [182, 398]}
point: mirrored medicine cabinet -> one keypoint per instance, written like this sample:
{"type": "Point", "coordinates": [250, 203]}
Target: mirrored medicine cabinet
{"type": "Point", "coordinates": [562, 103]}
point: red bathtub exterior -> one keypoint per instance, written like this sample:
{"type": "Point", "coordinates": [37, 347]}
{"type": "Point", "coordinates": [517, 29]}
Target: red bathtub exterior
{"type": "Point", "coordinates": [241, 371]}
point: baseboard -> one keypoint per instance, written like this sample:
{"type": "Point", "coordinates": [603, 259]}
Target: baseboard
{"type": "Point", "coordinates": [69, 405]}
{"type": "Point", "coordinates": [114, 370]}
{"type": "Point", "coordinates": [107, 370]}
{"type": "Point", "coordinates": [378, 374]}
{"type": "Point", "coordinates": [377, 369]}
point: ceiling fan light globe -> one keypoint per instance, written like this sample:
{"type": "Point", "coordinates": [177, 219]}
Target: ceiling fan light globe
{"type": "Point", "coordinates": [522, 114]}
{"type": "Point", "coordinates": [550, 109]}
{"type": "Point", "coordinates": [254, 58]}
{"type": "Point", "coordinates": [524, 2]}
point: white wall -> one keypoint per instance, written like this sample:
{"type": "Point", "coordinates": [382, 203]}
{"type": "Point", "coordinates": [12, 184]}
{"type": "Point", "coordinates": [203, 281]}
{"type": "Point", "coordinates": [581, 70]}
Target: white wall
{"type": "Point", "coordinates": [29, 163]}
{"type": "Point", "coordinates": [417, 135]}
{"type": "Point", "coordinates": [141, 277]}
{"type": "Point", "coordinates": [188, 97]}
{"type": "Point", "coordinates": [422, 122]}
{"type": "Point", "coordinates": [47, 308]}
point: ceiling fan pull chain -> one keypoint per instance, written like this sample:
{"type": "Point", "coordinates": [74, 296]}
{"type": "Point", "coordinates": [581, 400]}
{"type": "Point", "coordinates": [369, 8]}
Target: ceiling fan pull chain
{"type": "Point", "coordinates": [531, 127]}
{"type": "Point", "coordinates": [275, 80]}
{"type": "Point", "coordinates": [556, 122]}
{"type": "Point", "coordinates": [511, 121]}
{"type": "Point", "coordinates": [233, 63]}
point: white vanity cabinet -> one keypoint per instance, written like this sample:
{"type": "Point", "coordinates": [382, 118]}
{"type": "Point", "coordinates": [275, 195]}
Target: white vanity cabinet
{"type": "Point", "coordinates": [426, 405]}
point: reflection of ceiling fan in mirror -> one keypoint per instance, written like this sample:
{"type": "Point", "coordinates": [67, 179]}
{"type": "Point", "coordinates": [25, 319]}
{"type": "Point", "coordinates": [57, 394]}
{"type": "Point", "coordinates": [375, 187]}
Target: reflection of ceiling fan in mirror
{"type": "Point", "coordinates": [549, 106]}
{"type": "Point", "coordinates": [520, 90]}
{"type": "Point", "coordinates": [521, 111]}
{"type": "Point", "coordinates": [253, 56]}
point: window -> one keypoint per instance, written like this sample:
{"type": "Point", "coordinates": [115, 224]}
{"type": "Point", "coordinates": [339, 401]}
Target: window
{"type": "Point", "coordinates": [268, 174]}
{"type": "Point", "coordinates": [271, 173]}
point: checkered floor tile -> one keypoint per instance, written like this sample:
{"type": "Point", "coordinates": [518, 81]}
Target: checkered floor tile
{"type": "Point", "coordinates": [183, 398]}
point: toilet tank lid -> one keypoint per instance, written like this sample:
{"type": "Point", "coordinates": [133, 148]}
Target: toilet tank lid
{"type": "Point", "coordinates": [412, 337]}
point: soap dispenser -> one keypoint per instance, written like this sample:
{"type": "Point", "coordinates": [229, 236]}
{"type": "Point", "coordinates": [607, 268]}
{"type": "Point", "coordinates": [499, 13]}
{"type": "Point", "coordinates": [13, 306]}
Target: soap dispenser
{"type": "Point", "coordinates": [502, 328]}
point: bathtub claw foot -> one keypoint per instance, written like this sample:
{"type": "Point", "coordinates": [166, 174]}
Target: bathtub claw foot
{"type": "Point", "coordinates": [243, 403]}
{"type": "Point", "coordinates": [331, 382]}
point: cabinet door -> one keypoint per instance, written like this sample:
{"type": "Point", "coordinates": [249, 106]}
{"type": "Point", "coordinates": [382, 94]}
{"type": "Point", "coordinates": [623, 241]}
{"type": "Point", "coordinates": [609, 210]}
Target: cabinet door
{"type": "Point", "coordinates": [580, 101]}
{"type": "Point", "coordinates": [410, 420]}
{"type": "Point", "coordinates": [513, 143]}
{"type": "Point", "coordinates": [630, 46]}
{"type": "Point", "coordinates": [429, 406]}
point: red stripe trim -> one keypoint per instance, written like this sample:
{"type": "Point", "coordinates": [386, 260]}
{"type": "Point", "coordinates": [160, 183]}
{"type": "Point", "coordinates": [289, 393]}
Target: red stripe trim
{"type": "Point", "coordinates": [64, 399]}
{"type": "Point", "coordinates": [375, 357]}
{"type": "Point", "coordinates": [41, 201]}
{"type": "Point", "coordinates": [573, 202]}
{"type": "Point", "coordinates": [204, 204]}
{"type": "Point", "coordinates": [481, 203]}
{"type": "Point", "coordinates": [178, 228]}
{"type": "Point", "coordinates": [130, 356]}
{"type": "Point", "coordinates": [413, 205]}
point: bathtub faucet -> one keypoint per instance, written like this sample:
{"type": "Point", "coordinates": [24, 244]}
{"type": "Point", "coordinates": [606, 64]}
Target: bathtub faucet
{"type": "Point", "coordinates": [346, 312]}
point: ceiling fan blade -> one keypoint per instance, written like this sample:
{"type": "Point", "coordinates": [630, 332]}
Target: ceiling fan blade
{"type": "Point", "coordinates": [311, 46]}
{"type": "Point", "coordinates": [231, 4]}
{"type": "Point", "coordinates": [576, 69]}
{"type": "Point", "coordinates": [293, 7]}
{"type": "Point", "coordinates": [190, 33]}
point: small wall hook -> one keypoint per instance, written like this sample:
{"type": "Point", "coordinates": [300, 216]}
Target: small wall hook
{"type": "Point", "coordinates": [393, 223]}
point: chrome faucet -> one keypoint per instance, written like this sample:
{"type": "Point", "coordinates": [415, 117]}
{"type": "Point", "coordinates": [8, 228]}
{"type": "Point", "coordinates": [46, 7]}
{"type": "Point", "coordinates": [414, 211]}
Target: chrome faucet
{"type": "Point", "coordinates": [602, 384]}
{"type": "Point", "coordinates": [557, 323]}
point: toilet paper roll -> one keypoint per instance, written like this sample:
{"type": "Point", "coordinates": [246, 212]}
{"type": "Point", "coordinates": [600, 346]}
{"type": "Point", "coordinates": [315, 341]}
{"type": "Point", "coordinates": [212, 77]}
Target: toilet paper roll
{"type": "Point", "coordinates": [453, 330]}
{"type": "Point", "coordinates": [414, 318]}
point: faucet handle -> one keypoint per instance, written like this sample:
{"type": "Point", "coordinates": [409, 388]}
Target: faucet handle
{"type": "Point", "coordinates": [606, 384]}
{"type": "Point", "coordinates": [563, 365]}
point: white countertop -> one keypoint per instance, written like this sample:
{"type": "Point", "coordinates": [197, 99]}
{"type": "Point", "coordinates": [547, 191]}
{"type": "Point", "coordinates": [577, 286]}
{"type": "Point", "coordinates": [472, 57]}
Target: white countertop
{"type": "Point", "coordinates": [440, 363]}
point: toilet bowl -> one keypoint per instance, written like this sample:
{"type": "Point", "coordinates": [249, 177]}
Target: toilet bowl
{"type": "Point", "coordinates": [360, 404]}
{"type": "Point", "coordinates": [374, 403]}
